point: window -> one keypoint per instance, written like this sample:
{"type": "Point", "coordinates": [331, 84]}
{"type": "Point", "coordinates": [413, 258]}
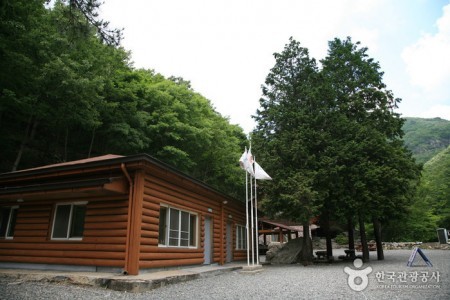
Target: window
{"type": "Point", "coordinates": [69, 221]}
{"type": "Point", "coordinates": [241, 237]}
{"type": "Point", "coordinates": [8, 216]}
{"type": "Point", "coordinates": [177, 228]}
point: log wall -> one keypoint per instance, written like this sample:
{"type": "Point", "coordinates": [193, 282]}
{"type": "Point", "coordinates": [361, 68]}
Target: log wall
{"type": "Point", "coordinates": [102, 245]}
{"type": "Point", "coordinates": [159, 191]}
{"type": "Point", "coordinates": [107, 229]}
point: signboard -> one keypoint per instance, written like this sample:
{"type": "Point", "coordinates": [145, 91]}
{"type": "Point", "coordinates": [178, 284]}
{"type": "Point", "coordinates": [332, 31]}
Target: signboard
{"type": "Point", "coordinates": [413, 255]}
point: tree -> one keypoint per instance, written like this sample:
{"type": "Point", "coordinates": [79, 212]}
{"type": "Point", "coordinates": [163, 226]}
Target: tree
{"type": "Point", "coordinates": [53, 81]}
{"type": "Point", "coordinates": [20, 23]}
{"type": "Point", "coordinates": [333, 140]}
{"type": "Point", "coordinates": [66, 95]}
{"type": "Point", "coordinates": [285, 138]}
{"type": "Point", "coordinates": [89, 10]}
{"type": "Point", "coordinates": [379, 172]}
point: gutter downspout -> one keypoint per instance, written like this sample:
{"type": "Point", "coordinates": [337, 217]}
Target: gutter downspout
{"type": "Point", "coordinates": [221, 262]}
{"type": "Point", "coordinates": [130, 200]}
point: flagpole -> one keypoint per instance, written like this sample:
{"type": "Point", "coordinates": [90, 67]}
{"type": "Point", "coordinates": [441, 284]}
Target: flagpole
{"type": "Point", "coordinates": [256, 220]}
{"type": "Point", "coordinates": [251, 217]}
{"type": "Point", "coordinates": [246, 217]}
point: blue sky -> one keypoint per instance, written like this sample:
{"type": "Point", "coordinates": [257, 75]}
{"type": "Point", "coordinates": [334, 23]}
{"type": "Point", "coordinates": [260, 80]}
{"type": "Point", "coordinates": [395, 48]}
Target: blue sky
{"type": "Point", "coordinates": [225, 48]}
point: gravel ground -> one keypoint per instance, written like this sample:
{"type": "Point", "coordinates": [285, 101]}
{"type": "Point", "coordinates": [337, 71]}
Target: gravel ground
{"type": "Point", "coordinates": [321, 281]}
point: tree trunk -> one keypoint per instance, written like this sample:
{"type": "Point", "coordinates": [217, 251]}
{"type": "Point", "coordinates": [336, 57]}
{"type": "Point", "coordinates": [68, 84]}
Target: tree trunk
{"type": "Point", "coordinates": [328, 237]}
{"type": "Point", "coordinates": [66, 140]}
{"type": "Point", "coordinates": [306, 255]}
{"type": "Point", "coordinates": [377, 233]}
{"type": "Point", "coordinates": [92, 142]}
{"type": "Point", "coordinates": [362, 230]}
{"type": "Point", "coordinates": [29, 135]}
{"type": "Point", "coordinates": [351, 234]}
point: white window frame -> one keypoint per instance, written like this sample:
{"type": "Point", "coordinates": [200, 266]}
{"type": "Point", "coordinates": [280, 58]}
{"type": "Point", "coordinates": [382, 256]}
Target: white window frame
{"type": "Point", "coordinates": [241, 237]}
{"type": "Point", "coordinates": [72, 204]}
{"type": "Point", "coordinates": [8, 224]}
{"type": "Point", "coordinates": [167, 228]}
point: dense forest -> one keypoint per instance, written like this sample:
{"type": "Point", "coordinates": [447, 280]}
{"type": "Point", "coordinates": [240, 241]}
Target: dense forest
{"type": "Point", "coordinates": [66, 93]}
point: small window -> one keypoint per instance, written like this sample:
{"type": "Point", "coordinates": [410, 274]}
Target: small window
{"type": "Point", "coordinates": [177, 228]}
{"type": "Point", "coordinates": [241, 237]}
{"type": "Point", "coordinates": [69, 221]}
{"type": "Point", "coordinates": [8, 216]}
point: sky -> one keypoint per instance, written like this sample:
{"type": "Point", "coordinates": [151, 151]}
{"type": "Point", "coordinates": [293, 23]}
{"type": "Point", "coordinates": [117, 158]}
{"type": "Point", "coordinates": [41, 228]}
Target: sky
{"type": "Point", "coordinates": [225, 48]}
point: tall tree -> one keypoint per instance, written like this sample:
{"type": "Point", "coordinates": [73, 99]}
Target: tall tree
{"type": "Point", "coordinates": [89, 9]}
{"type": "Point", "coordinates": [286, 138]}
{"type": "Point", "coordinates": [333, 140]}
{"type": "Point", "coordinates": [377, 169]}
{"type": "Point", "coordinates": [20, 22]}
{"type": "Point", "coordinates": [65, 72]}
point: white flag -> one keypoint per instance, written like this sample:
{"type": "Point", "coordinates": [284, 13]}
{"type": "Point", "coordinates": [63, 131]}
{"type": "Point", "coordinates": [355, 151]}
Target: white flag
{"type": "Point", "coordinates": [246, 161]}
{"type": "Point", "coordinates": [260, 173]}
{"type": "Point", "coordinates": [243, 159]}
{"type": "Point", "coordinates": [250, 156]}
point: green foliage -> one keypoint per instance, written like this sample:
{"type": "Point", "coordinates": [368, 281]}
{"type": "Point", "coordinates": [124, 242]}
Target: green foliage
{"type": "Point", "coordinates": [331, 138]}
{"type": "Point", "coordinates": [89, 10]}
{"type": "Point", "coordinates": [435, 187]}
{"type": "Point", "coordinates": [285, 137]}
{"type": "Point", "coordinates": [65, 95]}
{"type": "Point", "coordinates": [430, 208]}
{"type": "Point", "coordinates": [426, 137]}
{"type": "Point", "coordinates": [341, 239]}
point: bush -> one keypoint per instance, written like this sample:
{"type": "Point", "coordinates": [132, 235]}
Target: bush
{"type": "Point", "coordinates": [341, 239]}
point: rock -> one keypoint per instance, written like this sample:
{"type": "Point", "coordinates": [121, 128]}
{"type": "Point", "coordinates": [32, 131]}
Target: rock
{"type": "Point", "coordinates": [272, 250]}
{"type": "Point", "coordinates": [286, 253]}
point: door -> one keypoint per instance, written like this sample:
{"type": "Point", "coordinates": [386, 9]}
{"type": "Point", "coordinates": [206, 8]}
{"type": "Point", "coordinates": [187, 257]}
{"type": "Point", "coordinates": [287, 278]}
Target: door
{"type": "Point", "coordinates": [229, 243]}
{"type": "Point", "coordinates": [207, 250]}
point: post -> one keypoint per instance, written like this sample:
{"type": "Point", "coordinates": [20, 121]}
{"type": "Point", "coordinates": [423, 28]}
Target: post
{"type": "Point", "coordinates": [251, 217]}
{"type": "Point", "coordinates": [246, 217]}
{"type": "Point", "coordinates": [256, 226]}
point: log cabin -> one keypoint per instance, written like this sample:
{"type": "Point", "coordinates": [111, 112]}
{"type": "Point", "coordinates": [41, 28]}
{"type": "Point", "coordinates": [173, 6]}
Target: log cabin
{"type": "Point", "coordinates": [128, 214]}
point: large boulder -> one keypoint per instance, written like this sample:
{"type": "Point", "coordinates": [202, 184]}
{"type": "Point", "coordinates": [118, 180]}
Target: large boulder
{"type": "Point", "coordinates": [287, 253]}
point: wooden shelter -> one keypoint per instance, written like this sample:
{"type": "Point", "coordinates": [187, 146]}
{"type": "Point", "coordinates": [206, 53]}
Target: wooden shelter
{"type": "Point", "coordinates": [279, 231]}
{"type": "Point", "coordinates": [118, 213]}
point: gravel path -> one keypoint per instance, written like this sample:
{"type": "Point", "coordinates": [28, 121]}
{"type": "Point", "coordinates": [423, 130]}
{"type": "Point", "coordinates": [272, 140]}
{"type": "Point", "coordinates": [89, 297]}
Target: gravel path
{"type": "Point", "coordinates": [321, 281]}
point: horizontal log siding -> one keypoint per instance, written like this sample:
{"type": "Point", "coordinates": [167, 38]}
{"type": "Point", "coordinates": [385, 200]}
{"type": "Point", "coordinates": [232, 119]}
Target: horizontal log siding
{"type": "Point", "coordinates": [32, 223]}
{"type": "Point", "coordinates": [102, 245]}
{"type": "Point", "coordinates": [158, 191]}
{"type": "Point", "coordinates": [237, 213]}
{"type": "Point", "coordinates": [106, 222]}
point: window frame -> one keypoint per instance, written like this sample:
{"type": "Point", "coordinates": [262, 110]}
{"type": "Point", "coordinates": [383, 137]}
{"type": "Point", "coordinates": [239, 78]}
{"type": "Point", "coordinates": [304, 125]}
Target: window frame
{"type": "Point", "coordinates": [167, 228]}
{"type": "Point", "coordinates": [241, 237]}
{"type": "Point", "coordinates": [12, 209]}
{"type": "Point", "coordinates": [69, 221]}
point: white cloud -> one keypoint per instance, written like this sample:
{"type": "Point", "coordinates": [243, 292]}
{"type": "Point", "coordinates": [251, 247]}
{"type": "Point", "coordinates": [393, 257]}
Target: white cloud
{"type": "Point", "coordinates": [427, 62]}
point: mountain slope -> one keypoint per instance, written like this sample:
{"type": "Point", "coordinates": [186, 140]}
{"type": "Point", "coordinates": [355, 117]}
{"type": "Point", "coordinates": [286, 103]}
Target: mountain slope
{"type": "Point", "coordinates": [435, 186]}
{"type": "Point", "coordinates": [426, 137]}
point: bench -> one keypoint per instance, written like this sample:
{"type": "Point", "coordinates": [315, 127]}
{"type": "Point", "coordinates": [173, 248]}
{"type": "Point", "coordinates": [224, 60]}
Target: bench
{"type": "Point", "coordinates": [349, 255]}
{"type": "Point", "coordinates": [321, 254]}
